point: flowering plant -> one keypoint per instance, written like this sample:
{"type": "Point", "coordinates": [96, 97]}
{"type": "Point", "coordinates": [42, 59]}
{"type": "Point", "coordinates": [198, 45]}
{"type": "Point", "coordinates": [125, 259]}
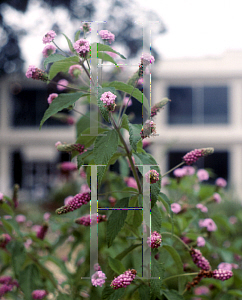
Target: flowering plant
{"type": "Point", "coordinates": [134, 257]}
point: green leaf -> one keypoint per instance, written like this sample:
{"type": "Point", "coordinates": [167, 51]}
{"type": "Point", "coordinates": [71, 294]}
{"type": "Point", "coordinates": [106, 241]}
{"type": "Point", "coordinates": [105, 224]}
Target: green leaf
{"type": "Point", "coordinates": [123, 166]}
{"type": "Point", "coordinates": [117, 294]}
{"type": "Point", "coordinates": [69, 44]}
{"type": "Point", "coordinates": [125, 122]}
{"type": "Point", "coordinates": [129, 89]}
{"type": "Point", "coordinates": [102, 47]}
{"type": "Point", "coordinates": [82, 124]}
{"type": "Point", "coordinates": [63, 297]}
{"type": "Point", "coordinates": [173, 295]}
{"type": "Point", "coordinates": [144, 292]}
{"type": "Point", "coordinates": [59, 103]}
{"type": "Point", "coordinates": [7, 208]}
{"type": "Point", "coordinates": [116, 220]}
{"type": "Point", "coordinates": [7, 226]}
{"type": "Point", "coordinates": [139, 147]}
{"type": "Point", "coordinates": [62, 66]}
{"type": "Point", "coordinates": [116, 265]}
{"type": "Point", "coordinates": [81, 158]}
{"type": "Point", "coordinates": [53, 58]}
{"type": "Point", "coordinates": [158, 272]}
{"type": "Point", "coordinates": [29, 280]}
{"type": "Point", "coordinates": [156, 218]}
{"type": "Point", "coordinates": [17, 250]}
{"type": "Point", "coordinates": [106, 57]}
{"type": "Point", "coordinates": [237, 293]}
{"type": "Point", "coordinates": [167, 203]}
{"type": "Point", "coordinates": [88, 140]}
{"type": "Point", "coordinates": [77, 35]}
{"type": "Point", "coordinates": [134, 134]}
{"type": "Point", "coordinates": [107, 292]}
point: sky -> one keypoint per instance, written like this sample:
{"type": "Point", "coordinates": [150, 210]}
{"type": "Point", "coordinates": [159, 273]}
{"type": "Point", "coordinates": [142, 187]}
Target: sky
{"type": "Point", "coordinates": [194, 28]}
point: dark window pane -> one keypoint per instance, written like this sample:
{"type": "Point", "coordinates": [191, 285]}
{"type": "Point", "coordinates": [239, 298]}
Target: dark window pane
{"type": "Point", "coordinates": [215, 105]}
{"type": "Point", "coordinates": [180, 107]}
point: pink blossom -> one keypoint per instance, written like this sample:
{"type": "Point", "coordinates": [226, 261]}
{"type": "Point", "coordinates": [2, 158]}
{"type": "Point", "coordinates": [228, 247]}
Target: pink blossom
{"type": "Point", "coordinates": [82, 47]}
{"type": "Point", "coordinates": [36, 228]}
{"type": "Point", "coordinates": [60, 84]}
{"type": "Point", "coordinates": [49, 37]}
{"type": "Point", "coordinates": [154, 241]}
{"type": "Point", "coordinates": [85, 188]}
{"type": "Point", "coordinates": [67, 200]}
{"type": "Point", "coordinates": [36, 73]}
{"type": "Point", "coordinates": [189, 170]}
{"type": "Point", "coordinates": [70, 120]}
{"type": "Point", "coordinates": [96, 267]}
{"type": "Point", "coordinates": [41, 233]}
{"type": "Point", "coordinates": [48, 50]}
{"type": "Point", "coordinates": [165, 181]}
{"type": "Point", "coordinates": [145, 143]}
{"type": "Point", "coordinates": [28, 243]}
{"type": "Point", "coordinates": [233, 220]}
{"type": "Point", "coordinates": [108, 99]}
{"type": "Point", "coordinates": [39, 294]}
{"type": "Point", "coordinates": [192, 156]}
{"type": "Point", "coordinates": [203, 208]}
{"type": "Point", "coordinates": [202, 175]}
{"type": "Point", "coordinates": [75, 71]}
{"type": "Point", "coordinates": [152, 176]}
{"type": "Point", "coordinates": [221, 182]}
{"type": "Point", "coordinates": [46, 216]}
{"type": "Point", "coordinates": [126, 100]}
{"type": "Point", "coordinates": [77, 201]}
{"type": "Point", "coordinates": [225, 266]}
{"type": "Point", "coordinates": [107, 35]}
{"type": "Point", "coordinates": [131, 182]}
{"type": "Point", "coordinates": [201, 241]}
{"type": "Point", "coordinates": [68, 166]}
{"type": "Point", "coordinates": [7, 217]}
{"type": "Point", "coordinates": [58, 143]}
{"type": "Point", "coordinates": [20, 218]}
{"type": "Point", "coordinates": [98, 278]}
{"type": "Point", "coordinates": [52, 97]}
{"type": "Point", "coordinates": [221, 274]}
{"type": "Point", "coordinates": [140, 81]}
{"type": "Point", "coordinates": [147, 59]}
{"type": "Point", "coordinates": [201, 290]}
{"type": "Point", "coordinates": [176, 208]}
{"type": "Point", "coordinates": [112, 199]}
{"type": "Point", "coordinates": [217, 197]}
{"type": "Point", "coordinates": [208, 223]}
{"type": "Point", "coordinates": [4, 240]}
{"type": "Point", "coordinates": [179, 172]}
{"type": "Point", "coordinates": [123, 280]}
{"type": "Point", "coordinates": [1, 196]}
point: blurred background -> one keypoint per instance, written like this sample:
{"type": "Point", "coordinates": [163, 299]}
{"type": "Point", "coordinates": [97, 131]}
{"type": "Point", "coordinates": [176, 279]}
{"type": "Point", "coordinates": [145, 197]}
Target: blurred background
{"type": "Point", "coordinates": [198, 65]}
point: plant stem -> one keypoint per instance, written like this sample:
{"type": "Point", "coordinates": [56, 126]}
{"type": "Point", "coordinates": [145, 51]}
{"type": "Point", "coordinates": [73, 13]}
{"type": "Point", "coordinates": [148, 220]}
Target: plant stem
{"type": "Point", "coordinates": [129, 154]}
{"type": "Point", "coordinates": [180, 275]}
{"type": "Point", "coordinates": [177, 166]}
{"type": "Point", "coordinates": [177, 237]}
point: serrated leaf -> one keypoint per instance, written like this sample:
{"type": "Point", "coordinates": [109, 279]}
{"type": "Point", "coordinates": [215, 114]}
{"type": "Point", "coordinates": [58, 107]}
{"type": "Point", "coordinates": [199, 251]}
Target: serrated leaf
{"type": "Point", "coordinates": [62, 66]}
{"type": "Point", "coordinates": [29, 280]}
{"type": "Point", "coordinates": [134, 134]}
{"type": "Point", "coordinates": [81, 158]}
{"type": "Point", "coordinates": [59, 103]}
{"type": "Point", "coordinates": [158, 272]}
{"type": "Point", "coordinates": [116, 220]}
{"type": "Point", "coordinates": [107, 292]}
{"type": "Point", "coordinates": [102, 47]}
{"type": "Point", "coordinates": [77, 35]}
{"type": "Point", "coordinates": [63, 297]}
{"type": "Point", "coordinates": [117, 294]}
{"type": "Point", "coordinates": [144, 292]}
{"type": "Point", "coordinates": [139, 147]}
{"type": "Point", "coordinates": [53, 58]}
{"type": "Point", "coordinates": [129, 89]}
{"type": "Point", "coordinates": [82, 124]}
{"type": "Point", "coordinates": [116, 265]}
{"type": "Point", "coordinates": [69, 43]}
{"type": "Point", "coordinates": [123, 166]}
{"type": "Point", "coordinates": [125, 122]}
{"type": "Point", "coordinates": [156, 218]}
{"type": "Point", "coordinates": [173, 295]}
{"type": "Point", "coordinates": [106, 57]}
{"type": "Point", "coordinates": [175, 256]}
{"type": "Point", "coordinates": [17, 250]}
{"type": "Point", "coordinates": [88, 140]}
{"type": "Point", "coordinates": [7, 226]}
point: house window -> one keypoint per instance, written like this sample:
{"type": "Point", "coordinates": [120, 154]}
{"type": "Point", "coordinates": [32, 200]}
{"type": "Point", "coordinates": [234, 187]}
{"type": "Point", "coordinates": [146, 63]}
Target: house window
{"type": "Point", "coordinates": [29, 107]}
{"type": "Point", "coordinates": [198, 105]}
{"type": "Point", "coordinates": [217, 162]}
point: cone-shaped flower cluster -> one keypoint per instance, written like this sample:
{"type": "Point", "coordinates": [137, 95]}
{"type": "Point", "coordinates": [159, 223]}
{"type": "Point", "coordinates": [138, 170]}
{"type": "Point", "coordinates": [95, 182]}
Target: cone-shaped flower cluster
{"type": "Point", "coordinates": [199, 260]}
{"type": "Point", "coordinates": [222, 274]}
{"type": "Point", "coordinates": [82, 47]}
{"type": "Point", "coordinates": [123, 280]}
{"type": "Point", "coordinates": [4, 240]}
{"type": "Point", "coordinates": [49, 37]}
{"type": "Point", "coordinates": [192, 156]}
{"type": "Point", "coordinates": [75, 71]}
{"type": "Point", "coordinates": [152, 176]}
{"type": "Point", "coordinates": [85, 220]}
{"type": "Point", "coordinates": [70, 147]}
{"type": "Point", "coordinates": [148, 129]}
{"type": "Point", "coordinates": [98, 278]}
{"type": "Point", "coordinates": [75, 203]}
{"type": "Point", "coordinates": [8, 284]}
{"type": "Point", "coordinates": [39, 294]}
{"type": "Point", "coordinates": [155, 240]}
{"type": "Point", "coordinates": [41, 233]}
{"type": "Point", "coordinates": [107, 36]}
{"type": "Point", "coordinates": [36, 73]}
{"type": "Point", "coordinates": [108, 99]}
{"type": "Point", "coordinates": [156, 108]}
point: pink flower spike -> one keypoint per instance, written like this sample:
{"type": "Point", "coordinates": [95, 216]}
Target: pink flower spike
{"type": "Point", "coordinates": [192, 156]}
{"type": "Point", "coordinates": [75, 71]}
{"type": "Point", "coordinates": [199, 260]}
{"type": "Point", "coordinates": [41, 233]}
{"type": "Point", "coordinates": [39, 294]}
{"type": "Point", "coordinates": [152, 176]}
{"type": "Point", "coordinates": [202, 175]}
{"type": "Point", "coordinates": [176, 208]}
{"type": "Point", "coordinates": [221, 182]}
{"type": "Point", "coordinates": [154, 241]}
{"type": "Point", "coordinates": [62, 84]}
{"type": "Point", "coordinates": [48, 50]}
{"type": "Point", "coordinates": [222, 274]}
{"type": "Point", "coordinates": [36, 73]}
{"type": "Point", "coordinates": [98, 278]}
{"type": "Point", "coordinates": [201, 241]}
{"type": "Point", "coordinates": [107, 36]}
{"type": "Point", "coordinates": [49, 37]}
{"type": "Point", "coordinates": [82, 47]}
{"type": "Point", "coordinates": [77, 201]}
{"type": "Point", "coordinates": [67, 200]}
{"type": "Point", "coordinates": [52, 97]}
{"type": "Point", "coordinates": [216, 197]}
{"type": "Point", "coordinates": [123, 280]}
